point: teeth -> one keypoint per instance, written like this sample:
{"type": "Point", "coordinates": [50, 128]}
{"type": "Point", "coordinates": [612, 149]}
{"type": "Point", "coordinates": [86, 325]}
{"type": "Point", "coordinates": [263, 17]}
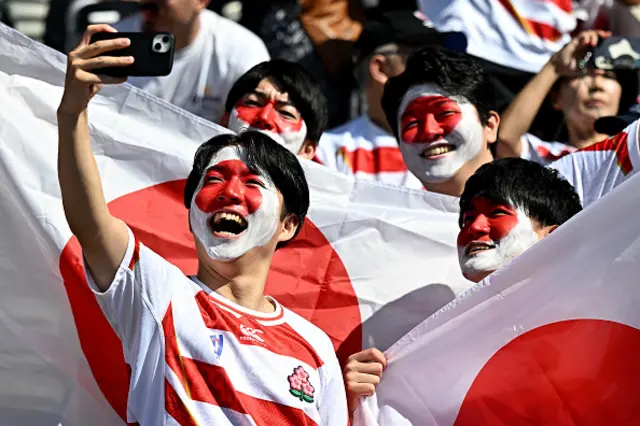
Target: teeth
{"type": "Point", "coordinates": [228, 216]}
{"type": "Point", "coordinates": [436, 150]}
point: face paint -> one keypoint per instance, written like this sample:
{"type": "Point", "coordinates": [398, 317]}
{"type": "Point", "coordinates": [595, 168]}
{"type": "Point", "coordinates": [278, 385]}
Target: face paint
{"type": "Point", "coordinates": [290, 134]}
{"type": "Point", "coordinates": [233, 210]}
{"type": "Point", "coordinates": [492, 235]}
{"type": "Point", "coordinates": [438, 133]}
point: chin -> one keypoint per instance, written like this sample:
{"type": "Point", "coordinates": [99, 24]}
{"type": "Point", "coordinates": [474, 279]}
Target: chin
{"type": "Point", "coordinates": [476, 276]}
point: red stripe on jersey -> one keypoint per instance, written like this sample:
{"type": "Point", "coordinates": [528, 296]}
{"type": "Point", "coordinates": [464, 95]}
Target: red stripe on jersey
{"type": "Point", "coordinates": [175, 406]}
{"type": "Point", "coordinates": [618, 144]}
{"type": "Point", "coordinates": [221, 302]}
{"type": "Point", "coordinates": [211, 384]}
{"type": "Point", "coordinates": [172, 353]}
{"type": "Point", "coordinates": [135, 256]}
{"type": "Point", "coordinates": [548, 155]}
{"type": "Point", "coordinates": [566, 5]}
{"type": "Point", "coordinates": [280, 339]}
{"type": "Point", "coordinates": [378, 160]}
{"type": "Point", "coordinates": [539, 29]}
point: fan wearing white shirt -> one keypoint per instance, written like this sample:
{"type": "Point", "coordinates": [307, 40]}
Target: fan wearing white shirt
{"type": "Point", "coordinates": [365, 146]}
{"type": "Point", "coordinates": [211, 348]}
{"type": "Point", "coordinates": [212, 52]}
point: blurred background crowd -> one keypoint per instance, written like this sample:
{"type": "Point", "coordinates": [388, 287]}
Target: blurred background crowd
{"type": "Point", "coordinates": [353, 46]}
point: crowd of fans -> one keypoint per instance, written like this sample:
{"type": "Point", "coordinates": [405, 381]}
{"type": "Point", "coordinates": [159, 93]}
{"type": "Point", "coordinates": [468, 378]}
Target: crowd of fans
{"type": "Point", "coordinates": [422, 94]}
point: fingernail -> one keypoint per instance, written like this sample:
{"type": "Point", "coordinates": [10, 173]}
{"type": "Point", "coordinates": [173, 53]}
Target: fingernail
{"type": "Point", "coordinates": [128, 59]}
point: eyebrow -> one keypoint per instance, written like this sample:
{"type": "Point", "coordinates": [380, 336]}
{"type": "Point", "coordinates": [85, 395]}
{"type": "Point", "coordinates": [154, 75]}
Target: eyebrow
{"type": "Point", "coordinates": [262, 94]}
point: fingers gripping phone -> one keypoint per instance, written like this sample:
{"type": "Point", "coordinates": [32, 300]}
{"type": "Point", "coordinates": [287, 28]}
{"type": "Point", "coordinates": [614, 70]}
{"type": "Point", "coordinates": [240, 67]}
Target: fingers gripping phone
{"type": "Point", "coordinates": [152, 53]}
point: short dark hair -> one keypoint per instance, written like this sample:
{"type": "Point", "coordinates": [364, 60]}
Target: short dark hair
{"type": "Point", "coordinates": [303, 90]}
{"type": "Point", "coordinates": [541, 192]}
{"type": "Point", "coordinates": [455, 72]}
{"type": "Point", "coordinates": [263, 156]}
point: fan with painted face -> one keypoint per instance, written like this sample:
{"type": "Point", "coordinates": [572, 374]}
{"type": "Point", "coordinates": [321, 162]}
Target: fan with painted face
{"type": "Point", "coordinates": [507, 206]}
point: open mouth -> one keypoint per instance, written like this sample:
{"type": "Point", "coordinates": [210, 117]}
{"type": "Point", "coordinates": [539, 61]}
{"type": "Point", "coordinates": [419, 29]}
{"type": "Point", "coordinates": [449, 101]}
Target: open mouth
{"type": "Point", "coordinates": [476, 247]}
{"type": "Point", "coordinates": [227, 224]}
{"type": "Point", "coordinates": [434, 152]}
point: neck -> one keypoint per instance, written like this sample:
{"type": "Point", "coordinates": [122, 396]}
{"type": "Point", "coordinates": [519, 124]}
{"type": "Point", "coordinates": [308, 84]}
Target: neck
{"type": "Point", "coordinates": [581, 138]}
{"type": "Point", "coordinates": [187, 34]}
{"type": "Point", "coordinates": [241, 281]}
{"type": "Point", "coordinates": [455, 185]}
{"type": "Point", "coordinates": [375, 112]}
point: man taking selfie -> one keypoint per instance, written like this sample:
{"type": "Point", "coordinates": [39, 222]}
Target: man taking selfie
{"type": "Point", "coordinates": [212, 348]}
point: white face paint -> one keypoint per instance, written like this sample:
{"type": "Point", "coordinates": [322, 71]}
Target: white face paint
{"type": "Point", "coordinates": [439, 142]}
{"type": "Point", "coordinates": [227, 193]}
{"type": "Point", "coordinates": [483, 263]}
{"type": "Point", "coordinates": [291, 138]}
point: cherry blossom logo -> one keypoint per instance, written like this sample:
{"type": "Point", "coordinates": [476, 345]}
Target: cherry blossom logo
{"type": "Point", "coordinates": [300, 386]}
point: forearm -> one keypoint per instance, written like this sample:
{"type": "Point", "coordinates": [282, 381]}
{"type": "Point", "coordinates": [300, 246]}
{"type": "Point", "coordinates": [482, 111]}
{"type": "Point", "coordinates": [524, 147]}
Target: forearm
{"type": "Point", "coordinates": [82, 195]}
{"type": "Point", "coordinates": [517, 118]}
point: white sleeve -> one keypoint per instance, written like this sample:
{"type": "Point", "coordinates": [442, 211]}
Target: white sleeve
{"type": "Point", "coordinates": [333, 405]}
{"type": "Point", "coordinates": [599, 168]}
{"type": "Point", "coordinates": [137, 298]}
{"type": "Point", "coordinates": [542, 152]}
{"type": "Point", "coordinates": [325, 153]}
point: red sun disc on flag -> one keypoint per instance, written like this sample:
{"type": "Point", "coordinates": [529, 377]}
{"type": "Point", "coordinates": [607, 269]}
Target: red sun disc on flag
{"type": "Point", "coordinates": [582, 372]}
{"type": "Point", "coordinates": [307, 276]}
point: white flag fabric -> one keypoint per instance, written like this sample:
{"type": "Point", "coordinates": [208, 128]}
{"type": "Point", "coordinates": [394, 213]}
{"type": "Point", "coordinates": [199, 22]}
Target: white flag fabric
{"type": "Point", "coordinates": [552, 339]}
{"type": "Point", "coordinates": [369, 265]}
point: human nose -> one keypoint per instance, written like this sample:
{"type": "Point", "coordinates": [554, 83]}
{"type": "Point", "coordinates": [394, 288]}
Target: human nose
{"type": "Point", "coordinates": [232, 191]}
{"type": "Point", "coordinates": [479, 227]}
{"type": "Point", "coordinates": [265, 117]}
{"type": "Point", "coordinates": [430, 129]}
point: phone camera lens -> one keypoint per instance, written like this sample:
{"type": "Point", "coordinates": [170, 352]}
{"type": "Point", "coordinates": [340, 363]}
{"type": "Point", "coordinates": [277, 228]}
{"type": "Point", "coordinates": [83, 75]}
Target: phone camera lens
{"type": "Point", "coordinates": [157, 46]}
{"type": "Point", "coordinates": [165, 39]}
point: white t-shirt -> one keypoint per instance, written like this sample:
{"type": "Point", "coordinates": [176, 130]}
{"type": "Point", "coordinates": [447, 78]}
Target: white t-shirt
{"type": "Point", "coordinates": [599, 168]}
{"type": "Point", "coordinates": [520, 34]}
{"type": "Point", "coordinates": [543, 152]}
{"type": "Point", "coordinates": [198, 358]}
{"type": "Point", "coordinates": [204, 71]}
{"type": "Point", "coordinates": [362, 149]}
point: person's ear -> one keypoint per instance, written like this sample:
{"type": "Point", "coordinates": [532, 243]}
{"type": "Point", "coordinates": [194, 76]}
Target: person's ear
{"type": "Point", "coordinates": [224, 121]}
{"type": "Point", "coordinates": [288, 228]}
{"type": "Point", "coordinates": [543, 231]}
{"type": "Point", "coordinates": [491, 128]}
{"type": "Point", "coordinates": [308, 149]}
{"type": "Point", "coordinates": [203, 4]}
{"type": "Point", "coordinates": [377, 65]}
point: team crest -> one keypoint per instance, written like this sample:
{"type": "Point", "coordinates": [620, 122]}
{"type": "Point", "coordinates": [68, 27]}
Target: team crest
{"type": "Point", "coordinates": [217, 340]}
{"type": "Point", "coordinates": [299, 385]}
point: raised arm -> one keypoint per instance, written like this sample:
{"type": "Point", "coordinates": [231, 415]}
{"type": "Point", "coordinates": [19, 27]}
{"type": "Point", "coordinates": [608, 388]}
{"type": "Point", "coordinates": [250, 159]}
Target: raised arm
{"type": "Point", "coordinates": [517, 118]}
{"type": "Point", "coordinates": [103, 237]}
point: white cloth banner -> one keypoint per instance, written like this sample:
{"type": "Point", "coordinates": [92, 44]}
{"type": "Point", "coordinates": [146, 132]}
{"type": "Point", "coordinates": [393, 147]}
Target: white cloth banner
{"type": "Point", "coordinates": [552, 339]}
{"type": "Point", "coordinates": [368, 266]}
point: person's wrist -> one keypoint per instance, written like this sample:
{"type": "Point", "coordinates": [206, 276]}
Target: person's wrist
{"type": "Point", "coordinates": [551, 70]}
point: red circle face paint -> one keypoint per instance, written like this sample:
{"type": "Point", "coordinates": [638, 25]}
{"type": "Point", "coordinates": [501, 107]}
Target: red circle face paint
{"type": "Point", "coordinates": [265, 115]}
{"type": "Point", "coordinates": [429, 118]}
{"type": "Point", "coordinates": [486, 221]}
{"type": "Point", "coordinates": [230, 183]}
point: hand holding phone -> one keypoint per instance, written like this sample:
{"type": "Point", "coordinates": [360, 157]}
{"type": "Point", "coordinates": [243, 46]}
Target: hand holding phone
{"type": "Point", "coordinates": [85, 64]}
{"type": "Point", "coordinates": [152, 53]}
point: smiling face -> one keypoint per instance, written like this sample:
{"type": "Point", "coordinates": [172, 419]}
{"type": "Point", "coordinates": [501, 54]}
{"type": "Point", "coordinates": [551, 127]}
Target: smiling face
{"type": "Point", "coordinates": [234, 209]}
{"type": "Point", "coordinates": [492, 235]}
{"type": "Point", "coordinates": [438, 133]}
{"type": "Point", "coordinates": [270, 111]}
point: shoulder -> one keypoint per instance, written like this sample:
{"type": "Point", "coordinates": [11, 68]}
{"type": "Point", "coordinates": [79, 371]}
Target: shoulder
{"type": "Point", "coordinates": [312, 334]}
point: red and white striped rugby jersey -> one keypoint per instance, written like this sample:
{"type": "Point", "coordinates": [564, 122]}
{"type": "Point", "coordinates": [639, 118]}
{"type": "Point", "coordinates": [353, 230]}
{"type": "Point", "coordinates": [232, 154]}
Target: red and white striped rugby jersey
{"type": "Point", "coordinates": [197, 358]}
{"type": "Point", "coordinates": [520, 34]}
{"type": "Point", "coordinates": [362, 149]}
{"type": "Point", "coordinates": [599, 168]}
{"type": "Point", "coordinates": [543, 152]}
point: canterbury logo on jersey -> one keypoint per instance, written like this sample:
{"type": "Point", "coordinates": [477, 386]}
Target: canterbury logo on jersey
{"type": "Point", "coordinates": [251, 334]}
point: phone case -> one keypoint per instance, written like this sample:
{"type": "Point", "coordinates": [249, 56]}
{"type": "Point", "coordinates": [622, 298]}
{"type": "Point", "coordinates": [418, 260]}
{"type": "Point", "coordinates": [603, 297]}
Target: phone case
{"type": "Point", "coordinates": [153, 54]}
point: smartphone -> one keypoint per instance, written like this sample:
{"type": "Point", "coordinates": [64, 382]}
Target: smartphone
{"type": "Point", "coordinates": [616, 53]}
{"type": "Point", "coordinates": [152, 53]}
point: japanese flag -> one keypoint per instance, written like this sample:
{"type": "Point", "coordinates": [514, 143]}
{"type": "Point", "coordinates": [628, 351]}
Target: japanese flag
{"type": "Point", "coordinates": [551, 339]}
{"type": "Point", "coordinates": [371, 262]}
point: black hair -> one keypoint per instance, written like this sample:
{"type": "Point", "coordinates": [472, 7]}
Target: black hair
{"type": "Point", "coordinates": [263, 156]}
{"type": "Point", "coordinates": [541, 192]}
{"type": "Point", "coordinates": [291, 78]}
{"type": "Point", "coordinates": [457, 73]}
